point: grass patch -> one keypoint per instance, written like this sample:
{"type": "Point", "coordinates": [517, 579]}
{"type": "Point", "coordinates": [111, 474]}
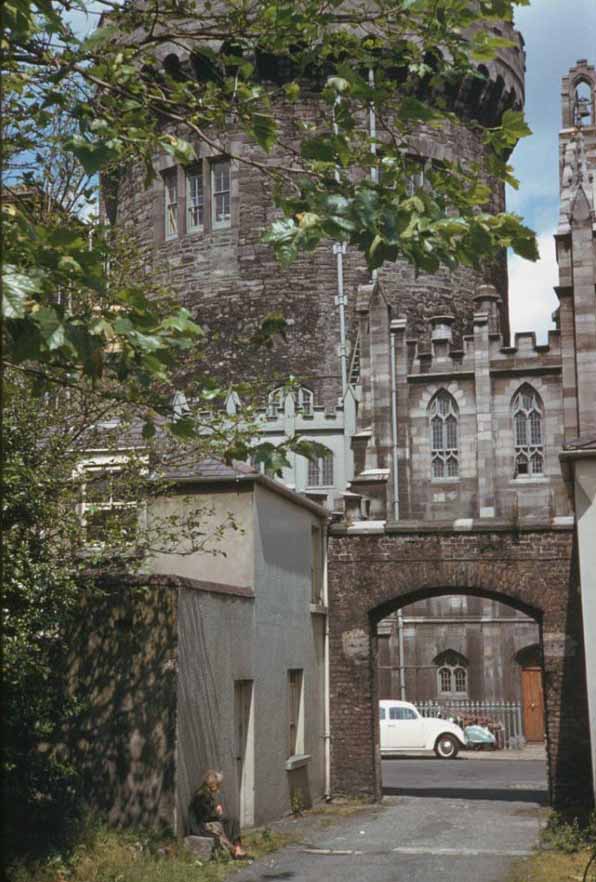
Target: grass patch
{"type": "Point", "coordinates": [106, 855]}
{"type": "Point", "coordinates": [341, 808]}
{"type": "Point", "coordinates": [554, 867]}
{"type": "Point", "coordinates": [567, 844]}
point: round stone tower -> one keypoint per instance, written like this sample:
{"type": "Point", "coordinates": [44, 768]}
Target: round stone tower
{"type": "Point", "coordinates": [199, 231]}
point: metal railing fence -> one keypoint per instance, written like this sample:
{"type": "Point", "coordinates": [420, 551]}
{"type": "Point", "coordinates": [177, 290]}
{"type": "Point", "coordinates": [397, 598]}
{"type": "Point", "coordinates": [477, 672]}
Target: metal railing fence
{"type": "Point", "coordinates": [507, 713]}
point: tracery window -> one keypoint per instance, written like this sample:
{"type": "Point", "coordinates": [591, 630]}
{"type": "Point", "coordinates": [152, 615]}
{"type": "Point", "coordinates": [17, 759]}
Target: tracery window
{"type": "Point", "coordinates": [452, 673]}
{"type": "Point", "coordinates": [443, 426]}
{"type": "Point", "coordinates": [303, 401]}
{"type": "Point", "coordinates": [528, 435]}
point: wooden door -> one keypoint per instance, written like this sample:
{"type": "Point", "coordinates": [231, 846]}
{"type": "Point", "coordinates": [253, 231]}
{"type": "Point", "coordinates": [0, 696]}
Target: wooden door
{"type": "Point", "coordinates": [533, 704]}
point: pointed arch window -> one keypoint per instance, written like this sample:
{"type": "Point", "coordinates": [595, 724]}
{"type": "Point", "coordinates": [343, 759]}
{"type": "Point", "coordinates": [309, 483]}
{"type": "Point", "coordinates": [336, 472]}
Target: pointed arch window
{"type": "Point", "coordinates": [528, 433]}
{"type": "Point", "coordinates": [583, 104]}
{"type": "Point", "coordinates": [444, 416]}
{"type": "Point", "coordinates": [303, 400]}
{"type": "Point", "coordinates": [452, 673]}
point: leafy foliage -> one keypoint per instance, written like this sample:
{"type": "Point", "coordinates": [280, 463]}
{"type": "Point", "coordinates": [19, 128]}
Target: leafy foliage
{"type": "Point", "coordinates": [121, 95]}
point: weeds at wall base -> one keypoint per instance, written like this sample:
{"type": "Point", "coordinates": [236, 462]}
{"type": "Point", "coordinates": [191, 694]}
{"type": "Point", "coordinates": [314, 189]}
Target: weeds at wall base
{"type": "Point", "coordinates": [103, 854]}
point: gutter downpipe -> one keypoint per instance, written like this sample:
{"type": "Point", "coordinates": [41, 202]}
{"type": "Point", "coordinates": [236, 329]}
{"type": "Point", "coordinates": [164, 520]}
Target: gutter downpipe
{"type": "Point", "coordinates": [395, 451]}
{"type": "Point", "coordinates": [402, 670]}
{"type": "Point", "coordinates": [339, 249]}
{"type": "Point", "coordinates": [327, 735]}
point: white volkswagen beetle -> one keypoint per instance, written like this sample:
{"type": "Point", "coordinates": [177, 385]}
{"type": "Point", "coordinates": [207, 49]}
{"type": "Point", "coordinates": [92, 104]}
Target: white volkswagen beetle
{"type": "Point", "coordinates": [403, 729]}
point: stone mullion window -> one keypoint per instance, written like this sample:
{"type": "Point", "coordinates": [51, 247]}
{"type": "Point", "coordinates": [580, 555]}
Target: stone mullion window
{"type": "Point", "coordinates": [444, 440]}
{"type": "Point", "coordinates": [528, 434]}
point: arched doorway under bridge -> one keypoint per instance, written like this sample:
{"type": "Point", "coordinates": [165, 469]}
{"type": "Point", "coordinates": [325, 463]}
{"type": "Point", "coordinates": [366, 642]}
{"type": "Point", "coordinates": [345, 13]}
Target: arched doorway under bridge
{"type": "Point", "coordinates": [373, 574]}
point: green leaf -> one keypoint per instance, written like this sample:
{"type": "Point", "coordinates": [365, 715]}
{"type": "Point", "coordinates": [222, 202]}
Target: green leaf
{"type": "Point", "coordinates": [17, 288]}
{"type": "Point", "coordinates": [264, 129]}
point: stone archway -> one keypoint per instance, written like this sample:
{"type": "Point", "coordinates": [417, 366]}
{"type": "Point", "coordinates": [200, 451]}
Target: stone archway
{"type": "Point", "coordinates": [372, 575]}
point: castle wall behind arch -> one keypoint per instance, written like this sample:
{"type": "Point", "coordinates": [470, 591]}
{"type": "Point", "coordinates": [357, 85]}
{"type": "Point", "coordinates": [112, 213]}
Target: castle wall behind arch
{"type": "Point", "coordinates": [533, 570]}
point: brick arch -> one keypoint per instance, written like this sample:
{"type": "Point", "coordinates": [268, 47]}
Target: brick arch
{"type": "Point", "coordinates": [372, 575]}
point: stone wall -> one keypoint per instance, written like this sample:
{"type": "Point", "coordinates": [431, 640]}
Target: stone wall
{"type": "Point", "coordinates": [230, 281]}
{"type": "Point", "coordinates": [372, 575]}
{"type": "Point", "coordinates": [123, 673]}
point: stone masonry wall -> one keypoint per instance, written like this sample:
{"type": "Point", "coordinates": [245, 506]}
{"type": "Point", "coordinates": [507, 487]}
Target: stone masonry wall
{"type": "Point", "coordinates": [230, 281]}
{"type": "Point", "coordinates": [372, 575]}
{"type": "Point", "coordinates": [123, 672]}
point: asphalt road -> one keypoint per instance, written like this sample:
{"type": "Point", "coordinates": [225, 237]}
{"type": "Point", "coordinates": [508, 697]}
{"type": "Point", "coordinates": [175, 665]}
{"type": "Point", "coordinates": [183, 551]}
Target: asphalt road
{"type": "Point", "coordinates": [461, 821]}
{"type": "Point", "coordinates": [466, 778]}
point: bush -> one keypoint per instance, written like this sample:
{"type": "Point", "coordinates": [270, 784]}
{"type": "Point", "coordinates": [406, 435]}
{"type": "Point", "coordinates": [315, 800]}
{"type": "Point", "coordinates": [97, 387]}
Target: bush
{"type": "Point", "coordinates": [570, 831]}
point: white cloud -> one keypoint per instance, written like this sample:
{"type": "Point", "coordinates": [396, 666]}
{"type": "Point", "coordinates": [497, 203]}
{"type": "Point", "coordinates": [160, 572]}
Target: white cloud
{"type": "Point", "coordinates": [531, 297]}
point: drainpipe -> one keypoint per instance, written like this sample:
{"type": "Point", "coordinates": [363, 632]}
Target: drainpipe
{"type": "Point", "coordinates": [339, 249]}
{"type": "Point", "coordinates": [395, 451]}
{"type": "Point", "coordinates": [402, 670]}
{"type": "Point", "coordinates": [327, 735]}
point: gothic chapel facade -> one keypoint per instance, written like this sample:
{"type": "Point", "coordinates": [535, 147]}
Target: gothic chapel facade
{"type": "Point", "coordinates": [444, 475]}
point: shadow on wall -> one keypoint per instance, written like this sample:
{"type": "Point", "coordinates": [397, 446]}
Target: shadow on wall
{"type": "Point", "coordinates": [573, 750]}
{"type": "Point", "coordinates": [122, 671]}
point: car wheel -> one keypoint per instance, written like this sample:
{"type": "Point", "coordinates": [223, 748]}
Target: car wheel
{"type": "Point", "coordinates": [446, 747]}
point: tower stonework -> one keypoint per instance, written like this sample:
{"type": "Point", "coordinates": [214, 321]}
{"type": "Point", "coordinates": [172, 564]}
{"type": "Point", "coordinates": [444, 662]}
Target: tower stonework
{"type": "Point", "coordinates": [230, 280]}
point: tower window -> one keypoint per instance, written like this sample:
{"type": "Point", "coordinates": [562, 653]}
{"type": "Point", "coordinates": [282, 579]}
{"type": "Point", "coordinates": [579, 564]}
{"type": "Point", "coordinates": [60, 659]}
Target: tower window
{"type": "Point", "coordinates": [220, 194]}
{"type": "Point", "coordinates": [170, 179]}
{"type": "Point", "coordinates": [528, 436]}
{"type": "Point", "coordinates": [583, 105]}
{"type": "Point", "coordinates": [443, 430]}
{"type": "Point", "coordinates": [195, 201]}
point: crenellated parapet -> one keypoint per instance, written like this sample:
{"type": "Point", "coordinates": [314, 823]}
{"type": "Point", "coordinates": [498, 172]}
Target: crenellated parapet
{"type": "Point", "coordinates": [456, 428]}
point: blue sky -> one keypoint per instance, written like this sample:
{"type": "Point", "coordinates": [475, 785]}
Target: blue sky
{"type": "Point", "coordinates": [557, 34]}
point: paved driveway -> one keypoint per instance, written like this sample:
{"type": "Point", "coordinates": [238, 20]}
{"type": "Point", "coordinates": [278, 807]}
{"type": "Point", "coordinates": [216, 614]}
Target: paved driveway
{"type": "Point", "coordinates": [462, 821]}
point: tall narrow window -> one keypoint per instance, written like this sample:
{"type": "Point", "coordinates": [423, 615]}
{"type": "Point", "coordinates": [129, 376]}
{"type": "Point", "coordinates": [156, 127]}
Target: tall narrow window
{"type": "Point", "coordinates": [220, 194]}
{"type": "Point", "coordinates": [320, 471]}
{"type": "Point", "coordinates": [295, 712]}
{"type": "Point", "coordinates": [443, 426]}
{"type": "Point", "coordinates": [170, 180]}
{"type": "Point", "coordinates": [528, 435]}
{"type": "Point", "coordinates": [195, 203]}
{"type": "Point", "coordinates": [316, 583]}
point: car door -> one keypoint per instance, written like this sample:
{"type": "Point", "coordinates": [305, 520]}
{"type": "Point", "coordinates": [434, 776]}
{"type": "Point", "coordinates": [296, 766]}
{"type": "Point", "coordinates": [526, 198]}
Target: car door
{"type": "Point", "coordinates": [406, 728]}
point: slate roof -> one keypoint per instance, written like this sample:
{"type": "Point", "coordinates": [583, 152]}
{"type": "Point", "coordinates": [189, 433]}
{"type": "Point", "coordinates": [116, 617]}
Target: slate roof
{"type": "Point", "coordinates": [584, 442]}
